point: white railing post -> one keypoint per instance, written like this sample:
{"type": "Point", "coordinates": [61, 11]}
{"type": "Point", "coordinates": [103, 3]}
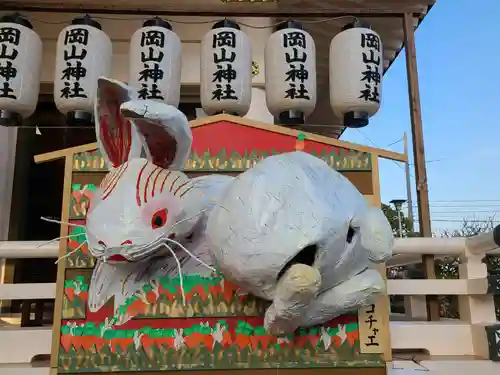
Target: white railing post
{"type": "Point", "coordinates": [415, 307]}
{"type": "Point", "coordinates": [478, 310]}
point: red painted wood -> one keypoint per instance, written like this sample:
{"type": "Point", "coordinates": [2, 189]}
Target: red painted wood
{"type": "Point", "coordinates": [240, 138]}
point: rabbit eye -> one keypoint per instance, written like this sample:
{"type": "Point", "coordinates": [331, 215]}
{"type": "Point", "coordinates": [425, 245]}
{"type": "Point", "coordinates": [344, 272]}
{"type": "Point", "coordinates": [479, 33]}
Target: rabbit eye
{"type": "Point", "coordinates": [159, 218]}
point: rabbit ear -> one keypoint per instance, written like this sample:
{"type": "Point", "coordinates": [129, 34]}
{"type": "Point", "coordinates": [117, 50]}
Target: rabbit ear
{"type": "Point", "coordinates": [164, 129]}
{"type": "Point", "coordinates": [118, 139]}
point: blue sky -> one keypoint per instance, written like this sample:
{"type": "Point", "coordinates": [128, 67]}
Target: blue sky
{"type": "Point", "coordinates": [458, 53]}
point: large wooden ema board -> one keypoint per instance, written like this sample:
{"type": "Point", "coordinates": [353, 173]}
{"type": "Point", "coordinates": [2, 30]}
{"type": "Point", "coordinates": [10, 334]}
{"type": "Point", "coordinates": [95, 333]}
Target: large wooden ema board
{"type": "Point", "coordinates": [217, 329]}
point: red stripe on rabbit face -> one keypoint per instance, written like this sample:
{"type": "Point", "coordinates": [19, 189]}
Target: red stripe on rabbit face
{"type": "Point", "coordinates": [128, 228]}
{"type": "Point", "coordinates": [153, 180]}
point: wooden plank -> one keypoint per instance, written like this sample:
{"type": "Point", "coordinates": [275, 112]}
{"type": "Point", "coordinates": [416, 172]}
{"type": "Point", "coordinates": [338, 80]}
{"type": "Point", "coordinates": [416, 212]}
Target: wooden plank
{"type": "Point", "coordinates": [61, 268]}
{"type": "Point", "coordinates": [66, 152]}
{"type": "Point", "coordinates": [424, 219]}
{"type": "Point", "coordinates": [374, 320]}
{"type": "Point", "coordinates": [210, 8]}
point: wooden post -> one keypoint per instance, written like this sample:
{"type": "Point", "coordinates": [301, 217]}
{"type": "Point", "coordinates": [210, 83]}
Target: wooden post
{"type": "Point", "coordinates": [419, 156]}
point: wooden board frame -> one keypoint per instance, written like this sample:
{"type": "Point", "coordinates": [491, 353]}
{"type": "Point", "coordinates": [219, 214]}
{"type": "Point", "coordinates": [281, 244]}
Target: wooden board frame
{"type": "Point", "coordinates": [374, 317]}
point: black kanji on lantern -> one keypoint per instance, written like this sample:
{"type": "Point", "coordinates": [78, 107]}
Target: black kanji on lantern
{"type": "Point", "coordinates": [294, 44]}
{"type": "Point", "coordinates": [74, 71]}
{"type": "Point", "coordinates": [370, 40]}
{"type": "Point", "coordinates": [296, 73]}
{"type": "Point", "coordinates": [152, 41]}
{"type": "Point", "coordinates": [295, 56]}
{"type": "Point", "coordinates": [295, 92]}
{"type": "Point", "coordinates": [224, 73]}
{"type": "Point", "coordinates": [10, 38]}
{"type": "Point", "coordinates": [224, 39]}
{"type": "Point", "coordinates": [371, 58]}
{"type": "Point", "coordinates": [8, 53]}
{"type": "Point", "coordinates": [8, 70]}
{"type": "Point", "coordinates": [151, 72]}
{"type": "Point", "coordinates": [152, 92]}
{"type": "Point", "coordinates": [224, 43]}
{"type": "Point", "coordinates": [224, 56]}
{"type": "Point", "coordinates": [10, 35]}
{"type": "Point", "coordinates": [6, 91]}
{"type": "Point", "coordinates": [294, 39]}
{"type": "Point", "coordinates": [76, 35]}
{"type": "Point", "coordinates": [153, 38]}
{"type": "Point", "coordinates": [224, 92]}
{"type": "Point", "coordinates": [76, 40]}
{"type": "Point", "coordinates": [150, 56]}
{"type": "Point", "coordinates": [370, 94]}
{"type": "Point", "coordinates": [72, 90]}
{"type": "Point", "coordinates": [75, 54]}
{"type": "Point", "coordinates": [371, 76]}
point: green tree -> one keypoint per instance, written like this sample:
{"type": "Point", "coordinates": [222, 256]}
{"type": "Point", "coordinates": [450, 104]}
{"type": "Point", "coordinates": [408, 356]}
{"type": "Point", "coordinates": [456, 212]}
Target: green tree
{"type": "Point", "coordinates": [406, 225]}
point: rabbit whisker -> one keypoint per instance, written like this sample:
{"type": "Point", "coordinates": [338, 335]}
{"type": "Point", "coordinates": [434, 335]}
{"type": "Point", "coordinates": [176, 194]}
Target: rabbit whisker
{"type": "Point", "coordinates": [71, 252]}
{"type": "Point", "coordinates": [190, 254]}
{"type": "Point", "coordinates": [62, 222]}
{"type": "Point", "coordinates": [60, 238]}
{"type": "Point", "coordinates": [188, 218]}
{"type": "Point", "coordinates": [181, 282]}
{"type": "Point", "coordinates": [149, 247]}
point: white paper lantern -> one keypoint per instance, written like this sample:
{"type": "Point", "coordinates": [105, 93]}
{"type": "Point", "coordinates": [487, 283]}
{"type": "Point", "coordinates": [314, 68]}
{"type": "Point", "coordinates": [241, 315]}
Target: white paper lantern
{"type": "Point", "coordinates": [20, 66]}
{"type": "Point", "coordinates": [83, 55]}
{"type": "Point", "coordinates": [356, 69]}
{"type": "Point", "coordinates": [226, 70]}
{"type": "Point", "coordinates": [290, 65]}
{"type": "Point", "coordinates": [156, 62]}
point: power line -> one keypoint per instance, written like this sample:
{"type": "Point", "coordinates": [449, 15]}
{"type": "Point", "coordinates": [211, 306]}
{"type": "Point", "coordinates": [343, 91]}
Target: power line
{"type": "Point", "coordinates": [465, 221]}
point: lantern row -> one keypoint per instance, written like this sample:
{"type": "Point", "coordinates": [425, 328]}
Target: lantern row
{"type": "Point", "coordinates": [84, 53]}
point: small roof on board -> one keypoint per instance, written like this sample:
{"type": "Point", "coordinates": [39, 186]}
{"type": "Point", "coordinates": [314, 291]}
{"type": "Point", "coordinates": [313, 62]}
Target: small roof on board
{"type": "Point", "coordinates": [206, 121]}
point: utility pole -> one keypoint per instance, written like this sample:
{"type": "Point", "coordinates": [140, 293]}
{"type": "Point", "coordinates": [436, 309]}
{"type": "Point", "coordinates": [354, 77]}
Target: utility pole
{"type": "Point", "coordinates": [424, 219]}
{"type": "Point", "coordinates": [408, 183]}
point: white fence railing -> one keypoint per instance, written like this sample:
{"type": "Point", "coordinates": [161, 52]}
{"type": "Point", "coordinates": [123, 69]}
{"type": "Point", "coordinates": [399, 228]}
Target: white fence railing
{"type": "Point", "coordinates": [466, 337]}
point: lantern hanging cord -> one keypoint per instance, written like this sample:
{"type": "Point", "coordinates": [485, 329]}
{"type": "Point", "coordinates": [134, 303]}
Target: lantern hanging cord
{"type": "Point", "coordinates": [92, 127]}
{"type": "Point", "coordinates": [174, 21]}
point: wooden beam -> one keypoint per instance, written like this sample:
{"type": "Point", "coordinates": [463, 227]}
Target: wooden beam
{"type": "Point", "coordinates": [424, 219]}
{"type": "Point", "coordinates": [165, 8]}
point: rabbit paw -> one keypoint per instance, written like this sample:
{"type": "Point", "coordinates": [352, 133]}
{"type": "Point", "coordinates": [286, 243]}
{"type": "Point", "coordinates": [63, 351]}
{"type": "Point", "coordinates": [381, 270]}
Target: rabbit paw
{"type": "Point", "coordinates": [294, 292]}
{"type": "Point", "coordinates": [300, 283]}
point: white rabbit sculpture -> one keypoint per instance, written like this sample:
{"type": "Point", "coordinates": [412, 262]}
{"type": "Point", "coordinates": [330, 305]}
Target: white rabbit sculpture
{"type": "Point", "coordinates": [290, 230]}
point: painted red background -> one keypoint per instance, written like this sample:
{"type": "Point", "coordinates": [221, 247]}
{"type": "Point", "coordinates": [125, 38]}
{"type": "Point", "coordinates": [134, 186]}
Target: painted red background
{"type": "Point", "coordinates": [240, 138]}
